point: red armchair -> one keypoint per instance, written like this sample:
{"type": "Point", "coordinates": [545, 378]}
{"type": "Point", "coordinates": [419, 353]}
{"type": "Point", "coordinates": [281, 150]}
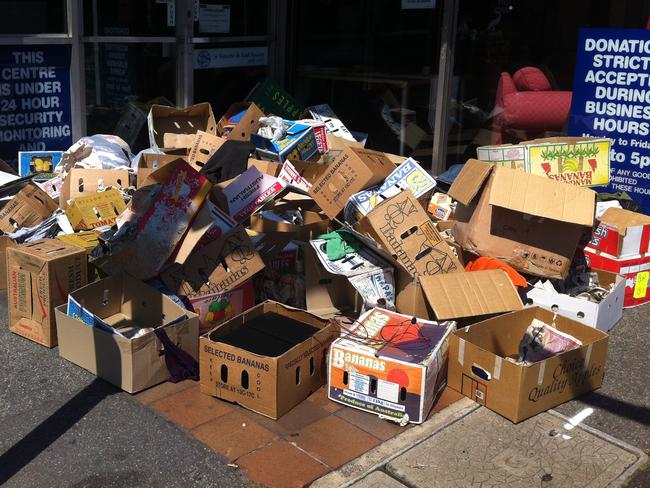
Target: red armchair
{"type": "Point", "coordinates": [526, 106]}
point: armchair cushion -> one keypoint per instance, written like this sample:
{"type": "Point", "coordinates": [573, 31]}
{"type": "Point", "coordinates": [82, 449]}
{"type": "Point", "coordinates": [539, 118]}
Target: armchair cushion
{"type": "Point", "coordinates": [531, 79]}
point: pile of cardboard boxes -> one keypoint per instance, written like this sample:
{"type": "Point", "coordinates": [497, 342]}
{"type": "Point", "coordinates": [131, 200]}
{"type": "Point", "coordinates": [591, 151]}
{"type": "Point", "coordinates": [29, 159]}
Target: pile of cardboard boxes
{"type": "Point", "coordinates": [268, 253]}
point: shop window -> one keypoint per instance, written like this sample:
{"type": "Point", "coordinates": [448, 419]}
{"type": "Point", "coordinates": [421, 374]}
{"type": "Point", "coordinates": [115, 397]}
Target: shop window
{"type": "Point", "coordinates": [128, 18]}
{"type": "Point", "coordinates": [33, 17]}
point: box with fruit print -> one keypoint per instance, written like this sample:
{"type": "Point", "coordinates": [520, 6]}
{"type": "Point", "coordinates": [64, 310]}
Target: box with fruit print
{"type": "Point", "coordinates": [574, 160]}
{"type": "Point", "coordinates": [215, 308]}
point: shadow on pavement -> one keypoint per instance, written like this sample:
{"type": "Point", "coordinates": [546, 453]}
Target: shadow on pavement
{"type": "Point", "coordinates": [42, 436]}
{"type": "Point", "coordinates": [620, 408]}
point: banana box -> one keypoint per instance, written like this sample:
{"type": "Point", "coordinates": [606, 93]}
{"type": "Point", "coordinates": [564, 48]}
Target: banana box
{"type": "Point", "coordinates": [390, 364]}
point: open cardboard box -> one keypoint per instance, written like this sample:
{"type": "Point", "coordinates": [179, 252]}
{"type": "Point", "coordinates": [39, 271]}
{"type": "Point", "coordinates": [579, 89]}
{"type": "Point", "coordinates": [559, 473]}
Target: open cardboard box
{"type": "Point", "coordinates": [202, 149]}
{"type": "Point", "coordinates": [171, 127]}
{"type": "Point", "coordinates": [621, 233]}
{"type": "Point", "coordinates": [299, 142]}
{"type": "Point", "coordinates": [83, 182]}
{"type": "Point", "coordinates": [478, 367]}
{"type": "Point", "coordinates": [95, 210]}
{"type": "Point", "coordinates": [532, 223]}
{"type": "Point", "coordinates": [603, 316]}
{"type": "Point", "coordinates": [28, 208]}
{"type": "Point", "coordinates": [353, 170]}
{"type": "Point", "coordinates": [149, 163]}
{"type": "Point", "coordinates": [39, 276]}
{"type": "Point", "coordinates": [123, 303]}
{"type": "Point", "coordinates": [268, 359]}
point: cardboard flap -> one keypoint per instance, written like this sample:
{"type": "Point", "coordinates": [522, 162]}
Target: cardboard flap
{"type": "Point", "coordinates": [457, 295]}
{"type": "Point", "coordinates": [542, 197]}
{"type": "Point", "coordinates": [469, 181]}
{"type": "Point", "coordinates": [621, 219]}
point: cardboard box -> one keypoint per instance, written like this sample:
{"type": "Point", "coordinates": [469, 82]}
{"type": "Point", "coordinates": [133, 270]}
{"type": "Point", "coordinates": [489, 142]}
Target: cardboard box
{"type": "Point", "coordinates": [5, 243]}
{"type": "Point", "coordinates": [402, 227]}
{"type": "Point", "coordinates": [478, 367]}
{"type": "Point", "coordinates": [268, 359]}
{"type": "Point", "coordinates": [249, 191]}
{"type": "Point", "coordinates": [534, 224]}
{"type": "Point", "coordinates": [245, 125]}
{"type": "Point", "coordinates": [122, 303]}
{"type": "Point", "coordinates": [40, 275]}
{"type": "Point", "coordinates": [149, 163]}
{"type": "Point", "coordinates": [95, 210]}
{"type": "Point", "coordinates": [215, 308]}
{"type": "Point", "coordinates": [219, 266]}
{"type": "Point", "coordinates": [621, 233]}
{"type": "Point", "coordinates": [269, 219]}
{"type": "Point", "coordinates": [159, 225]}
{"type": "Point", "coordinates": [603, 316]}
{"type": "Point", "coordinates": [202, 149]}
{"type": "Point", "coordinates": [333, 124]}
{"type": "Point", "coordinates": [389, 366]}
{"type": "Point", "coordinates": [171, 127]}
{"type": "Point", "coordinates": [440, 206]}
{"type": "Point", "coordinates": [88, 239]}
{"type": "Point", "coordinates": [581, 161]}
{"type": "Point", "coordinates": [41, 164]}
{"type": "Point", "coordinates": [353, 170]}
{"type": "Point", "coordinates": [636, 270]}
{"type": "Point", "coordinates": [27, 208]}
{"type": "Point", "coordinates": [83, 182]}
{"type": "Point", "coordinates": [298, 143]}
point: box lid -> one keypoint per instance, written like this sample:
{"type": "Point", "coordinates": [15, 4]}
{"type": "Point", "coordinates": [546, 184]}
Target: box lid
{"type": "Point", "coordinates": [621, 219]}
{"type": "Point", "coordinates": [457, 295]}
{"type": "Point", "coordinates": [469, 180]}
{"type": "Point", "coordinates": [542, 197]}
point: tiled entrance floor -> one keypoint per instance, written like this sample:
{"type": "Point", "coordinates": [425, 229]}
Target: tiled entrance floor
{"type": "Point", "coordinates": [314, 438]}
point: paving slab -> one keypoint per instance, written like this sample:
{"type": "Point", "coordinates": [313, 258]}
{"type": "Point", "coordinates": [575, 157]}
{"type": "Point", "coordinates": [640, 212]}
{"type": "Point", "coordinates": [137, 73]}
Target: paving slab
{"type": "Point", "coordinates": [378, 479]}
{"type": "Point", "coordinates": [485, 450]}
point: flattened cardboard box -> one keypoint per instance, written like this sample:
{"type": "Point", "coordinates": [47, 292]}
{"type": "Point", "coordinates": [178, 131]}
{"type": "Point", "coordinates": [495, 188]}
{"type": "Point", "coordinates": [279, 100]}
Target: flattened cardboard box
{"type": "Point", "coordinates": [603, 316]}
{"type": "Point", "coordinates": [404, 230]}
{"type": "Point", "coordinates": [39, 277]}
{"type": "Point", "coordinates": [269, 385]}
{"type": "Point", "coordinates": [130, 364]}
{"type": "Point", "coordinates": [478, 367]}
{"type": "Point", "coordinates": [532, 223]}
{"type": "Point", "coordinates": [175, 128]}
{"type": "Point", "coordinates": [83, 182]}
{"type": "Point", "coordinates": [354, 169]}
{"type": "Point", "coordinates": [621, 233]}
{"type": "Point", "coordinates": [95, 210]}
{"type": "Point", "coordinates": [28, 208]}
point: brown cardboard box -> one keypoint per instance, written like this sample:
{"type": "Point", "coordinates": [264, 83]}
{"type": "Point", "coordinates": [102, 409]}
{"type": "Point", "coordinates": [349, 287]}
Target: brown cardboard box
{"type": "Point", "coordinates": [118, 302]}
{"type": "Point", "coordinates": [218, 266]}
{"type": "Point", "coordinates": [95, 210]}
{"type": "Point", "coordinates": [268, 369]}
{"type": "Point", "coordinates": [402, 227]}
{"type": "Point", "coordinates": [532, 223]}
{"type": "Point", "coordinates": [247, 125]}
{"type": "Point", "coordinates": [5, 243]}
{"type": "Point", "coordinates": [28, 208]}
{"type": "Point", "coordinates": [478, 367]}
{"type": "Point", "coordinates": [175, 128]}
{"type": "Point", "coordinates": [82, 182]}
{"type": "Point", "coordinates": [39, 277]}
{"type": "Point", "coordinates": [354, 169]}
{"type": "Point", "coordinates": [464, 297]}
{"type": "Point", "coordinates": [315, 223]}
{"type": "Point", "coordinates": [202, 149]}
{"type": "Point", "coordinates": [149, 163]}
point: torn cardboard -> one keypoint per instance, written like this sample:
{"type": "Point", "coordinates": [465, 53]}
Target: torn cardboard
{"type": "Point", "coordinates": [621, 233]}
{"type": "Point", "coordinates": [28, 208]}
{"type": "Point", "coordinates": [240, 121]}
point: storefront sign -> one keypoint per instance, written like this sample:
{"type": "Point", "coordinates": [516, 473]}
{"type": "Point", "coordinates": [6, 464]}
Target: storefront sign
{"type": "Point", "coordinates": [611, 98]}
{"type": "Point", "coordinates": [35, 112]}
{"type": "Point", "coordinates": [230, 57]}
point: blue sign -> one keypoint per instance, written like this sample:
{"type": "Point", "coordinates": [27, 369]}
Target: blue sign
{"type": "Point", "coordinates": [41, 164]}
{"type": "Point", "coordinates": [611, 98]}
{"type": "Point", "coordinates": [35, 111]}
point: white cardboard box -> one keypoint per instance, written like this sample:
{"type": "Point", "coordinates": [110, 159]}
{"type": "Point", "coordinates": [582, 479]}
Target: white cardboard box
{"type": "Point", "coordinates": [602, 316]}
